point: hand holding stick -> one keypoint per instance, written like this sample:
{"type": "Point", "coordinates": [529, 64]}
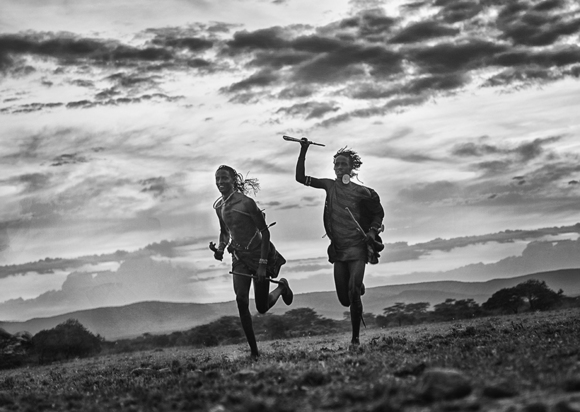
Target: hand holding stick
{"type": "Point", "coordinates": [293, 139]}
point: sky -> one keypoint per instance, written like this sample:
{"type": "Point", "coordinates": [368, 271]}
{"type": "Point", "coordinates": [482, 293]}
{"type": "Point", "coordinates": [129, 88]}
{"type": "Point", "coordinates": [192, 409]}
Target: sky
{"type": "Point", "coordinates": [114, 117]}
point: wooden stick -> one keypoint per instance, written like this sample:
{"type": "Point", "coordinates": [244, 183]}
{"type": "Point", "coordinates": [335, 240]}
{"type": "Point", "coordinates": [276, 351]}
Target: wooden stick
{"type": "Point", "coordinates": [293, 139]}
{"type": "Point", "coordinates": [255, 277]}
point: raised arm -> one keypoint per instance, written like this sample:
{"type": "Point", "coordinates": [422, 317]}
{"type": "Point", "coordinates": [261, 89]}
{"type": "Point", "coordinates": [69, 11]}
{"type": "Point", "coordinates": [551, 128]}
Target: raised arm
{"type": "Point", "coordinates": [300, 165]}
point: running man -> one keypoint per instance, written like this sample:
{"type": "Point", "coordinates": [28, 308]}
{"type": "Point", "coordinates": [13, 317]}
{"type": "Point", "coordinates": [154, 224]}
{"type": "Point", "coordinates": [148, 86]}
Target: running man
{"type": "Point", "coordinates": [243, 230]}
{"type": "Point", "coordinates": [353, 218]}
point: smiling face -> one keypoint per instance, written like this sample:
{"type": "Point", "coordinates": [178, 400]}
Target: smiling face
{"type": "Point", "coordinates": [342, 166]}
{"type": "Point", "coordinates": [224, 182]}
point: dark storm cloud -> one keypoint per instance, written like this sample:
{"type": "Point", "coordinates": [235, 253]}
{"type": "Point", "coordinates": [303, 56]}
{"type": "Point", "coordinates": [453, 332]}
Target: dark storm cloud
{"type": "Point", "coordinates": [68, 49]}
{"type": "Point", "coordinates": [394, 62]}
{"type": "Point", "coordinates": [453, 56]}
{"type": "Point", "coordinates": [346, 62]}
{"type": "Point", "coordinates": [421, 31]}
{"type": "Point", "coordinates": [139, 69]}
{"type": "Point", "coordinates": [365, 55]}
{"type": "Point", "coordinates": [370, 91]}
{"type": "Point", "coordinates": [539, 27]}
{"type": "Point", "coordinates": [556, 57]}
{"type": "Point", "coordinates": [259, 79]}
{"type": "Point", "coordinates": [372, 25]}
{"type": "Point", "coordinates": [457, 11]}
{"type": "Point", "coordinates": [264, 39]}
{"type": "Point", "coordinates": [279, 58]}
{"type": "Point", "coordinates": [310, 110]}
{"type": "Point", "coordinates": [446, 82]}
{"type": "Point", "coordinates": [194, 44]}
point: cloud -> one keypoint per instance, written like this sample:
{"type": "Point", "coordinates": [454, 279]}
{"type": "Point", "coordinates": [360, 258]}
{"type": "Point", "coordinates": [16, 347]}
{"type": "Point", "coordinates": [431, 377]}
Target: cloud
{"type": "Point", "coordinates": [32, 182]}
{"type": "Point", "coordinates": [402, 251]}
{"type": "Point", "coordinates": [538, 256]}
{"type": "Point", "coordinates": [137, 279]}
{"type": "Point", "coordinates": [441, 47]}
{"type": "Point", "coordinates": [165, 248]}
{"type": "Point", "coordinates": [521, 153]}
{"type": "Point", "coordinates": [155, 185]}
{"type": "Point", "coordinates": [261, 78]}
{"type": "Point", "coordinates": [459, 11]}
{"type": "Point", "coordinates": [310, 110]}
{"type": "Point", "coordinates": [68, 159]}
{"type": "Point", "coordinates": [423, 30]}
{"type": "Point", "coordinates": [430, 192]}
{"type": "Point", "coordinates": [541, 25]}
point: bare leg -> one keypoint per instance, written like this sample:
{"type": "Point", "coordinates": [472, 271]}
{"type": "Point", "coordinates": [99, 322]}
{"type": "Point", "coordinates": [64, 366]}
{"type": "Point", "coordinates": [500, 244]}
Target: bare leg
{"type": "Point", "coordinates": [265, 300]}
{"type": "Point", "coordinates": [348, 278]}
{"type": "Point", "coordinates": [341, 282]}
{"type": "Point", "coordinates": [357, 271]}
{"type": "Point", "coordinates": [242, 290]}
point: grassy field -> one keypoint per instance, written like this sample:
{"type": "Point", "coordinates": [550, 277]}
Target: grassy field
{"type": "Point", "coordinates": [528, 362]}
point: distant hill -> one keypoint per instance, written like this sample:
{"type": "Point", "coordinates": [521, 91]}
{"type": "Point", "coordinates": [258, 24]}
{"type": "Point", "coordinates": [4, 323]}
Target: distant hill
{"type": "Point", "coordinates": [164, 317]}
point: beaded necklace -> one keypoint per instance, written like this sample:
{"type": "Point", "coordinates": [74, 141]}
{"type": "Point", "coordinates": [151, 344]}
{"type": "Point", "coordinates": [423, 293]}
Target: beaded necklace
{"type": "Point", "coordinates": [220, 201]}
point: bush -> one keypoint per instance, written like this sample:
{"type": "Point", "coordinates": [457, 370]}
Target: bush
{"type": "Point", "coordinates": [13, 349]}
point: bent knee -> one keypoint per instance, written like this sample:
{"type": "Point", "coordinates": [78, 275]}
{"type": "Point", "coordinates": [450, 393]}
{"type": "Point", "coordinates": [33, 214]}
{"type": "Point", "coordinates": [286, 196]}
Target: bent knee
{"type": "Point", "coordinates": [344, 301]}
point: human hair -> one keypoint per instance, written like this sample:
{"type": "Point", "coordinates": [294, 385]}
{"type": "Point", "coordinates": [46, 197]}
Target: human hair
{"type": "Point", "coordinates": [241, 184]}
{"type": "Point", "coordinates": [354, 158]}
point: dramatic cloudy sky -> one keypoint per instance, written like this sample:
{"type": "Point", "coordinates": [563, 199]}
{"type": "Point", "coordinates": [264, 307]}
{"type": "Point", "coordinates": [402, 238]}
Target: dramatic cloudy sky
{"type": "Point", "coordinates": [115, 115]}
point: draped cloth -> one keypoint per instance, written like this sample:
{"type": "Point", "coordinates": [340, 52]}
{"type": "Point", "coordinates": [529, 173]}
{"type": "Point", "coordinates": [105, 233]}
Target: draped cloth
{"type": "Point", "coordinates": [250, 257]}
{"type": "Point", "coordinates": [347, 242]}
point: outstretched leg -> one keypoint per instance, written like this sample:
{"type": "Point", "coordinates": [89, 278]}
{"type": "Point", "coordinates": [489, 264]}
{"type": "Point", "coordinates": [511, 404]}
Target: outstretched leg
{"type": "Point", "coordinates": [242, 290]}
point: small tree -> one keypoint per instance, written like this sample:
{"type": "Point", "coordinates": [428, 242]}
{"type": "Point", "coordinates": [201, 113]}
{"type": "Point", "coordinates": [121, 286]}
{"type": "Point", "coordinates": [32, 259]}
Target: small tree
{"type": "Point", "coordinates": [505, 300]}
{"type": "Point", "coordinates": [538, 294]}
{"type": "Point", "coordinates": [457, 309]}
{"type": "Point", "coordinates": [402, 312]}
{"type": "Point", "coordinates": [67, 340]}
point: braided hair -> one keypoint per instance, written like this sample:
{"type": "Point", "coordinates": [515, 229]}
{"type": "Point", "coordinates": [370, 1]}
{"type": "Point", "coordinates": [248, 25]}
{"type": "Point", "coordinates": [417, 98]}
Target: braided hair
{"type": "Point", "coordinates": [353, 156]}
{"type": "Point", "coordinates": [240, 184]}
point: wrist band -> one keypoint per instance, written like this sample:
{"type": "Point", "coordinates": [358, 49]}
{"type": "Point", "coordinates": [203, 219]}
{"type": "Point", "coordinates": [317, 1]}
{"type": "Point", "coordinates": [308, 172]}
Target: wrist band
{"type": "Point", "coordinates": [263, 261]}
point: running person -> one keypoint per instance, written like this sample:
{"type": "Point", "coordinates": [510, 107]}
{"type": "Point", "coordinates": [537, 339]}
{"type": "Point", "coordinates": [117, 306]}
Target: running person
{"type": "Point", "coordinates": [243, 230]}
{"type": "Point", "coordinates": [349, 207]}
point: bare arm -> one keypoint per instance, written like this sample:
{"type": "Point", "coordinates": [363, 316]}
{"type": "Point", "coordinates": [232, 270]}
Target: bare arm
{"type": "Point", "coordinates": [300, 165]}
{"type": "Point", "coordinates": [301, 169]}
{"type": "Point", "coordinates": [224, 239]}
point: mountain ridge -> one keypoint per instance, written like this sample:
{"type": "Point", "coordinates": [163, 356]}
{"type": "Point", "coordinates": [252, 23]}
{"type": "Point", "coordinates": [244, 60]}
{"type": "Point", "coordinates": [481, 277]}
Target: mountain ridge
{"type": "Point", "coordinates": [116, 322]}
